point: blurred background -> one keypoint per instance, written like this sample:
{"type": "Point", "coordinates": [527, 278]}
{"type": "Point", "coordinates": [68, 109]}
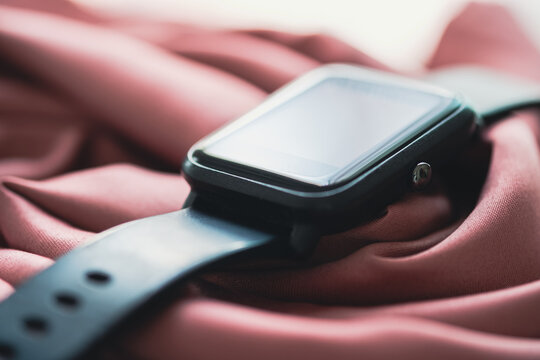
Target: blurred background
{"type": "Point", "coordinates": [399, 33]}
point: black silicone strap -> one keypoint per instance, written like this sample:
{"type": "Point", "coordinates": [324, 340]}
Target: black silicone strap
{"type": "Point", "coordinates": [71, 306]}
{"type": "Point", "coordinates": [491, 93]}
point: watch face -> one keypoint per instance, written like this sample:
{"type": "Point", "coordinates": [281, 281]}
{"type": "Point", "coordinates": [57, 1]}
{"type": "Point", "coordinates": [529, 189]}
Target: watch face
{"type": "Point", "coordinates": [325, 130]}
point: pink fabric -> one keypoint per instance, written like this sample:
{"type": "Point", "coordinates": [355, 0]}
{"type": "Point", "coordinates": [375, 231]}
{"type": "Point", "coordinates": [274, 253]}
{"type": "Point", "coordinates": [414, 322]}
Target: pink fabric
{"type": "Point", "coordinates": [97, 113]}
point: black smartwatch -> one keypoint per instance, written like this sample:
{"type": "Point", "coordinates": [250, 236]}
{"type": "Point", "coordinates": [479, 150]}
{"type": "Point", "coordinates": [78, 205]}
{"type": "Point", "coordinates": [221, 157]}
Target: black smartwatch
{"type": "Point", "coordinates": [320, 156]}
{"type": "Point", "coordinates": [329, 150]}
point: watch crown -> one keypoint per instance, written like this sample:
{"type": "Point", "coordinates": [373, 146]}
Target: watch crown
{"type": "Point", "coordinates": [421, 175]}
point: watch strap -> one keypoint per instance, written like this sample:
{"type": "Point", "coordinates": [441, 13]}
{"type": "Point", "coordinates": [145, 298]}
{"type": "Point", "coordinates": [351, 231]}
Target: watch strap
{"type": "Point", "coordinates": [491, 93]}
{"type": "Point", "coordinates": [69, 308]}
{"type": "Point", "coordinates": [72, 306]}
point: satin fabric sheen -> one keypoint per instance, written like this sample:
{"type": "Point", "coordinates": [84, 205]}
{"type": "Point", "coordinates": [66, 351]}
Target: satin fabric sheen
{"type": "Point", "coordinates": [97, 113]}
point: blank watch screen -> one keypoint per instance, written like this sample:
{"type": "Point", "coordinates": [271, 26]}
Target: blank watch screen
{"type": "Point", "coordinates": [330, 132]}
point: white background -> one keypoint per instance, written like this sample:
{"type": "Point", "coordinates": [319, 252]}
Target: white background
{"type": "Point", "coordinates": [400, 33]}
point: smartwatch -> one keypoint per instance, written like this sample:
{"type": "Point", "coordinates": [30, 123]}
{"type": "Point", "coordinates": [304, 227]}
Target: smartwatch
{"type": "Point", "coordinates": [321, 155]}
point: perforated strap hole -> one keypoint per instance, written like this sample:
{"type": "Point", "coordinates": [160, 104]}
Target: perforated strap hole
{"type": "Point", "coordinates": [36, 325]}
{"type": "Point", "coordinates": [7, 352]}
{"type": "Point", "coordinates": [98, 277]}
{"type": "Point", "coordinates": [67, 301]}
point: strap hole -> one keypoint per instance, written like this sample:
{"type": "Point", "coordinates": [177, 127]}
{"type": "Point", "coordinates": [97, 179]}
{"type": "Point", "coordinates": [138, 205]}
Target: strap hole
{"type": "Point", "coordinates": [98, 277]}
{"type": "Point", "coordinates": [36, 325]}
{"type": "Point", "coordinates": [7, 352]}
{"type": "Point", "coordinates": [67, 301]}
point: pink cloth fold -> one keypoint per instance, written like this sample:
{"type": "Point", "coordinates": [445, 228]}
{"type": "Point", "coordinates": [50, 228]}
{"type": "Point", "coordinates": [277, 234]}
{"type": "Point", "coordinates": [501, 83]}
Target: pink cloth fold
{"type": "Point", "coordinates": [97, 113]}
